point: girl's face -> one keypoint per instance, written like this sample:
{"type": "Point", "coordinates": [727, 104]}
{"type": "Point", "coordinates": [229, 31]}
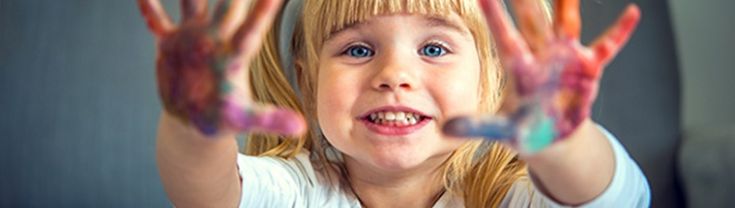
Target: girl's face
{"type": "Point", "coordinates": [387, 84]}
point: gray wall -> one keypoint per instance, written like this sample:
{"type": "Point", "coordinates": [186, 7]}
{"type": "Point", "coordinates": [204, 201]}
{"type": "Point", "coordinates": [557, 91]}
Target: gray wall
{"type": "Point", "coordinates": [640, 97]}
{"type": "Point", "coordinates": [79, 108]}
{"type": "Point", "coordinates": [705, 33]}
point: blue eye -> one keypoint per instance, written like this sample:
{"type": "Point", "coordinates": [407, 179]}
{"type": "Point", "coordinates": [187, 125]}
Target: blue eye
{"type": "Point", "coordinates": [359, 51]}
{"type": "Point", "coordinates": [433, 50]}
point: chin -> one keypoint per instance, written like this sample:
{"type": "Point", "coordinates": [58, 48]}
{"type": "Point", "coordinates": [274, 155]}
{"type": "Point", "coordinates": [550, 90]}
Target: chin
{"type": "Point", "coordinates": [405, 158]}
{"type": "Point", "coordinates": [397, 161]}
{"type": "Point", "coordinates": [422, 149]}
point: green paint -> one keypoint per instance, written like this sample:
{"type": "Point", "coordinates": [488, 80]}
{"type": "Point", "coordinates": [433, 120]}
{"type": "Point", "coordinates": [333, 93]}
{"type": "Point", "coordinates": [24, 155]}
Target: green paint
{"type": "Point", "coordinates": [541, 135]}
{"type": "Point", "coordinates": [225, 87]}
{"type": "Point", "coordinates": [219, 65]}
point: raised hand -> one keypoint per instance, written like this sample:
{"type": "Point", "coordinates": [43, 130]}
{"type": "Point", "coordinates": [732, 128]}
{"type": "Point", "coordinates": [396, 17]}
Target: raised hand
{"type": "Point", "coordinates": [202, 66]}
{"type": "Point", "coordinates": [552, 78]}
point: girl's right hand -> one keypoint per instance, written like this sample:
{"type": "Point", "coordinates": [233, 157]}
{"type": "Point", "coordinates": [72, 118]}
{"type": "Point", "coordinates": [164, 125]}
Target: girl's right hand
{"type": "Point", "coordinates": [202, 66]}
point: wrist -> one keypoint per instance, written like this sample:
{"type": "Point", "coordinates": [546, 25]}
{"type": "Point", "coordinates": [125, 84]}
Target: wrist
{"type": "Point", "coordinates": [575, 169]}
{"type": "Point", "coordinates": [563, 146]}
{"type": "Point", "coordinates": [179, 135]}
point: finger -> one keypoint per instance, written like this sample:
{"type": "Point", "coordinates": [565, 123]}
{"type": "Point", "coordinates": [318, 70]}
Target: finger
{"type": "Point", "coordinates": [193, 9]}
{"type": "Point", "coordinates": [610, 43]}
{"type": "Point", "coordinates": [250, 34]}
{"type": "Point", "coordinates": [533, 22]}
{"type": "Point", "coordinates": [567, 21]}
{"type": "Point", "coordinates": [264, 119]}
{"type": "Point", "coordinates": [507, 39]}
{"type": "Point", "coordinates": [156, 18]}
{"type": "Point", "coordinates": [490, 127]}
{"type": "Point", "coordinates": [227, 16]}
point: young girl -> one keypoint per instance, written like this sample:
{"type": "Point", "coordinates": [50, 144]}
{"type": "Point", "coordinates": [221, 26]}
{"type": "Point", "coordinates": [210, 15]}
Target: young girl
{"type": "Point", "coordinates": [403, 104]}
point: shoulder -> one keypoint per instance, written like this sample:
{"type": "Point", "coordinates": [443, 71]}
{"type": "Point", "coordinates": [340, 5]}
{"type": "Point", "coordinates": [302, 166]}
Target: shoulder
{"type": "Point", "coordinates": [276, 182]}
{"type": "Point", "coordinates": [523, 193]}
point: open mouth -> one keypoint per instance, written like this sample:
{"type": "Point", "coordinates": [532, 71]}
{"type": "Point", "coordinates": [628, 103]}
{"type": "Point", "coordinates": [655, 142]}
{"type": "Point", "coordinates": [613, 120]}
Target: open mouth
{"type": "Point", "coordinates": [395, 121]}
{"type": "Point", "coordinates": [400, 118]}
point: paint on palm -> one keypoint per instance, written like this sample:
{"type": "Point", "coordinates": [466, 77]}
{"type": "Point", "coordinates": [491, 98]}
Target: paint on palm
{"type": "Point", "coordinates": [201, 67]}
{"type": "Point", "coordinates": [553, 79]}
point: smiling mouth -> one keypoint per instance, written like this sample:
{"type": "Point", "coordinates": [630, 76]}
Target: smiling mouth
{"type": "Point", "coordinates": [399, 118]}
{"type": "Point", "coordinates": [395, 122]}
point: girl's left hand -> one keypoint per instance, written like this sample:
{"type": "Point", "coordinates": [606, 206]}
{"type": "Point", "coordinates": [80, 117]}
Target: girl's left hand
{"type": "Point", "coordinates": [552, 78]}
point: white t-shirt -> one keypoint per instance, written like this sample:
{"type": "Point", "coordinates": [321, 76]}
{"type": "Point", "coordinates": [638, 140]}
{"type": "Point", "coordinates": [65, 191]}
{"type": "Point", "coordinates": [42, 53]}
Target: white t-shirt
{"type": "Point", "coordinates": [277, 182]}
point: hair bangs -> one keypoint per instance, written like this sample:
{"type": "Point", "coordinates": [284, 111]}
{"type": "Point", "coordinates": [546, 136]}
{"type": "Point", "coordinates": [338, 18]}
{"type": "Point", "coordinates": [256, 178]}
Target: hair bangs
{"type": "Point", "coordinates": [330, 17]}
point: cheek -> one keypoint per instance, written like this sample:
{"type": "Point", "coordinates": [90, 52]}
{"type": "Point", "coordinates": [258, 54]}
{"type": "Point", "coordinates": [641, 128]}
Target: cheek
{"type": "Point", "coordinates": [335, 98]}
{"type": "Point", "coordinates": [324, 102]}
{"type": "Point", "coordinates": [459, 90]}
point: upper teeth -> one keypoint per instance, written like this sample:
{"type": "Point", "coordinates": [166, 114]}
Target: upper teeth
{"type": "Point", "coordinates": [405, 118]}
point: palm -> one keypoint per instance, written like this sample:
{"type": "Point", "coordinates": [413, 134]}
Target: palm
{"type": "Point", "coordinates": [201, 66]}
{"type": "Point", "coordinates": [562, 79]}
{"type": "Point", "coordinates": [553, 79]}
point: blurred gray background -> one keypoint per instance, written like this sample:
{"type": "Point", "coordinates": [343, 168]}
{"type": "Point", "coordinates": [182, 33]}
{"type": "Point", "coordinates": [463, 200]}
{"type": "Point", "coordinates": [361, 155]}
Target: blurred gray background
{"type": "Point", "coordinates": [79, 104]}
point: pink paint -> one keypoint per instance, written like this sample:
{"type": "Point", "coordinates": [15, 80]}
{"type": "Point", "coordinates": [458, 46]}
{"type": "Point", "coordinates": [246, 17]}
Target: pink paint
{"type": "Point", "coordinates": [196, 63]}
{"type": "Point", "coordinates": [549, 66]}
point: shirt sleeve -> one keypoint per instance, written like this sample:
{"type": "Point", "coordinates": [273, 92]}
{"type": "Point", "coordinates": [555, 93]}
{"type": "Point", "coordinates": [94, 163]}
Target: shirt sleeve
{"type": "Point", "coordinates": [268, 181]}
{"type": "Point", "coordinates": [628, 188]}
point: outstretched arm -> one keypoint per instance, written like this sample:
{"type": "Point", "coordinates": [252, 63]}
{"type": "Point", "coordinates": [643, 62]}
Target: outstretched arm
{"type": "Point", "coordinates": [202, 80]}
{"type": "Point", "coordinates": [553, 82]}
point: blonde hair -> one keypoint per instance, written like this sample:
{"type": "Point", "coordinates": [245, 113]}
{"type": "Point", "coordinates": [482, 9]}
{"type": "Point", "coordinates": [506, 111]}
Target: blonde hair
{"type": "Point", "coordinates": [480, 171]}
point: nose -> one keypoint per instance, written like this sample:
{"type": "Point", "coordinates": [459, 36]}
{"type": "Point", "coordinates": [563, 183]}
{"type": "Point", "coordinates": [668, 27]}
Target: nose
{"type": "Point", "coordinates": [397, 72]}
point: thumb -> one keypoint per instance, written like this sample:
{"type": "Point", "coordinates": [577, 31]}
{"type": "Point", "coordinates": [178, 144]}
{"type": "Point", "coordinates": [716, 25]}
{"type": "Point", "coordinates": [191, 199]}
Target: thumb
{"type": "Point", "coordinates": [487, 126]}
{"type": "Point", "coordinates": [264, 119]}
{"type": "Point", "coordinates": [528, 130]}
